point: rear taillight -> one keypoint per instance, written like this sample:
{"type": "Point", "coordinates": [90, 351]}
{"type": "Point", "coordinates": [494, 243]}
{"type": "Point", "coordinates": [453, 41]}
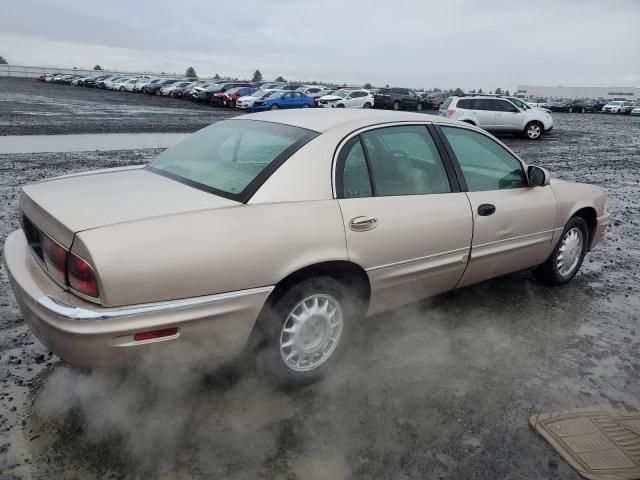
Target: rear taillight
{"type": "Point", "coordinates": [450, 113]}
{"type": "Point", "coordinates": [55, 258]}
{"type": "Point", "coordinates": [81, 276]}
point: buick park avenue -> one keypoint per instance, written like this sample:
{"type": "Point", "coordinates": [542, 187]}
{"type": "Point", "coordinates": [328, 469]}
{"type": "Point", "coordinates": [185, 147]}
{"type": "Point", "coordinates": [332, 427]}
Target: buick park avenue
{"type": "Point", "coordinates": [278, 232]}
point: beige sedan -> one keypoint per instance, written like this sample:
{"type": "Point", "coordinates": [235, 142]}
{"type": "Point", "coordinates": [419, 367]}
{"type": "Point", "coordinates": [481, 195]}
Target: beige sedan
{"type": "Point", "coordinates": [282, 230]}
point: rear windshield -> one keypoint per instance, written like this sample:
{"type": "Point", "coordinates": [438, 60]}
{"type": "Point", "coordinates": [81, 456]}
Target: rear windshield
{"type": "Point", "coordinates": [231, 158]}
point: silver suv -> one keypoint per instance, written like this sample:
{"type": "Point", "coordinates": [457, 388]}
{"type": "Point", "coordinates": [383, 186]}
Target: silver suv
{"type": "Point", "coordinates": [499, 114]}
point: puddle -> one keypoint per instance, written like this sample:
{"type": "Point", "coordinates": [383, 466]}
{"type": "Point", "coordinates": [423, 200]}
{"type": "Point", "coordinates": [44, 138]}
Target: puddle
{"type": "Point", "coordinates": [86, 142]}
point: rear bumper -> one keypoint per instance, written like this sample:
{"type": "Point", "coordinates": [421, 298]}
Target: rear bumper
{"type": "Point", "coordinates": [86, 335]}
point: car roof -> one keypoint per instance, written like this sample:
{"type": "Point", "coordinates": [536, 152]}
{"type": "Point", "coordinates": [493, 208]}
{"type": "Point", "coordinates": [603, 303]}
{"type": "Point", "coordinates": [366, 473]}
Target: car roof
{"type": "Point", "coordinates": [325, 119]}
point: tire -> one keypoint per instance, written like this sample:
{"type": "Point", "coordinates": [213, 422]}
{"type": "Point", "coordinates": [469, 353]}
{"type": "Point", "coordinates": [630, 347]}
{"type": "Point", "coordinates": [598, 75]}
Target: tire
{"type": "Point", "coordinates": [305, 105]}
{"type": "Point", "coordinates": [274, 107]}
{"type": "Point", "coordinates": [340, 105]}
{"type": "Point", "coordinates": [419, 107]}
{"type": "Point", "coordinates": [584, 110]}
{"type": "Point", "coordinates": [294, 330]}
{"type": "Point", "coordinates": [533, 130]}
{"type": "Point", "coordinates": [551, 272]}
{"type": "Point", "coordinates": [122, 89]}
{"type": "Point", "coordinates": [570, 110]}
{"type": "Point", "coordinates": [396, 105]}
{"type": "Point", "coordinates": [366, 105]}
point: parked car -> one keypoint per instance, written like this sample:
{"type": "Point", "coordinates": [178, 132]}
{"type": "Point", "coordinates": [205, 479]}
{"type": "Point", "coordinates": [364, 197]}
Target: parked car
{"type": "Point", "coordinates": [167, 90]}
{"type": "Point", "coordinates": [248, 100]}
{"type": "Point", "coordinates": [180, 92]}
{"type": "Point", "coordinates": [137, 88]}
{"type": "Point", "coordinates": [290, 86]}
{"type": "Point", "coordinates": [153, 88]}
{"type": "Point", "coordinates": [558, 106]}
{"type": "Point", "coordinates": [282, 100]}
{"type": "Point", "coordinates": [130, 84]}
{"type": "Point", "coordinates": [228, 99]}
{"type": "Point", "coordinates": [617, 106]}
{"type": "Point", "coordinates": [397, 99]}
{"type": "Point", "coordinates": [100, 289]}
{"type": "Point", "coordinates": [436, 99]}
{"type": "Point", "coordinates": [119, 85]}
{"type": "Point", "coordinates": [497, 114]}
{"type": "Point", "coordinates": [93, 82]}
{"type": "Point", "coordinates": [205, 95]}
{"type": "Point", "coordinates": [108, 83]}
{"type": "Point", "coordinates": [347, 99]}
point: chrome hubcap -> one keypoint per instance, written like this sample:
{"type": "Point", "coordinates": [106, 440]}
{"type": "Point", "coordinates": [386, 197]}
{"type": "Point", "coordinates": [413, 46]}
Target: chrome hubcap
{"type": "Point", "coordinates": [311, 332]}
{"type": "Point", "coordinates": [570, 251]}
{"type": "Point", "coordinates": [533, 131]}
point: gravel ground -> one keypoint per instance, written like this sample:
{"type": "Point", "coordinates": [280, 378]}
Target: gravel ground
{"type": "Point", "coordinates": [29, 107]}
{"type": "Point", "coordinates": [438, 389]}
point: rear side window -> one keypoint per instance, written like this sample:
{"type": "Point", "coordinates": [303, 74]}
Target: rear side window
{"type": "Point", "coordinates": [383, 91]}
{"type": "Point", "coordinates": [465, 103]}
{"type": "Point", "coordinates": [486, 165]}
{"type": "Point", "coordinates": [356, 181]}
{"type": "Point", "coordinates": [404, 161]}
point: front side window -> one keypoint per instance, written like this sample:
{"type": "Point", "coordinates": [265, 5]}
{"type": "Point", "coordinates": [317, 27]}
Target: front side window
{"type": "Point", "coordinates": [485, 164]}
{"type": "Point", "coordinates": [226, 157]}
{"type": "Point", "coordinates": [405, 161]}
{"type": "Point", "coordinates": [504, 106]}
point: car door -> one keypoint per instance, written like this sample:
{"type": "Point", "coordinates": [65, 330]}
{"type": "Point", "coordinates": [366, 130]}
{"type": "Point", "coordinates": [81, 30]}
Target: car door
{"type": "Point", "coordinates": [286, 100]}
{"type": "Point", "coordinates": [513, 222]}
{"type": "Point", "coordinates": [406, 221]}
{"type": "Point", "coordinates": [508, 116]}
{"type": "Point", "coordinates": [480, 111]}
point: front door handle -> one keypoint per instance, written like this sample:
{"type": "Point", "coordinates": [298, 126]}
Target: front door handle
{"type": "Point", "coordinates": [362, 224]}
{"type": "Point", "coordinates": [486, 209]}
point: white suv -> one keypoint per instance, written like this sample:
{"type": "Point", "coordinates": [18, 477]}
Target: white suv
{"type": "Point", "coordinates": [498, 114]}
{"type": "Point", "coordinates": [347, 99]}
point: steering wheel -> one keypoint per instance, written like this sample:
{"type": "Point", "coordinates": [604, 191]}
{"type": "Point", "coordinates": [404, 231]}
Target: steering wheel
{"type": "Point", "coordinates": [398, 154]}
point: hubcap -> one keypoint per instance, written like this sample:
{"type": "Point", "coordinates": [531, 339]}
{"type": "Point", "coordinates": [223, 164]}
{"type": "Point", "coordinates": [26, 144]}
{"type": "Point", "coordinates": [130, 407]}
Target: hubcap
{"type": "Point", "coordinates": [311, 332]}
{"type": "Point", "coordinates": [570, 251]}
{"type": "Point", "coordinates": [533, 131]}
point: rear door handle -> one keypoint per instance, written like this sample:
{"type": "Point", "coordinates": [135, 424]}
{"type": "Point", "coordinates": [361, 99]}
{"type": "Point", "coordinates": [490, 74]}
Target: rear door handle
{"type": "Point", "coordinates": [362, 224]}
{"type": "Point", "coordinates": [486, 209]}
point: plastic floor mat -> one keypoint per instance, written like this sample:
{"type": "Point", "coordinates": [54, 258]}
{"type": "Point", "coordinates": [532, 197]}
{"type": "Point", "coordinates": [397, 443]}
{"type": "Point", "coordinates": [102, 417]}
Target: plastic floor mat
{"type": "Point", "coordinates": [598, 444]}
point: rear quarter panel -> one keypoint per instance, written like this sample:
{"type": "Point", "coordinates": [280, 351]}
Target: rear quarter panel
{"type": "Point", "coordinates": [212, 251]}
{"type": "Point", "coordinates": [571, 197]}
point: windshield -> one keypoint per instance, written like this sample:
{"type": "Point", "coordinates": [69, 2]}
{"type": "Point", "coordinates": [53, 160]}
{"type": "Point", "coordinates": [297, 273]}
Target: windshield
{"type": "Point", "coordinates": [520, 103]}
{"type": "Point", "coordinates": [215, 87]}
{"type": "Point", "coordinates": [340, 93]}
{"type": "Point", "coordinates": [226, 157]}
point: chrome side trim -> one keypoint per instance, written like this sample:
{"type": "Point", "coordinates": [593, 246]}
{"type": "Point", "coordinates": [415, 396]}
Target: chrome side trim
{"type": "Point", "coordinates": [70, 312]}
{"type": "Point", "coordinates": [510, 239]}
{"type": "Point", "coordinates": [413, 260]}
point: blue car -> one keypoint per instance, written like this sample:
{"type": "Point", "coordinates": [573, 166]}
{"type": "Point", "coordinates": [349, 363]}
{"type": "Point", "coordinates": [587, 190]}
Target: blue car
{"type": "Point", "coordinates": [283, 99]}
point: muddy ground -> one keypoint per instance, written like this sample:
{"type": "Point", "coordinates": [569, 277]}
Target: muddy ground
{"type": "Point", "coordinates": [439, 389]}
{"type": "Point", "coordinates": [29, 107]}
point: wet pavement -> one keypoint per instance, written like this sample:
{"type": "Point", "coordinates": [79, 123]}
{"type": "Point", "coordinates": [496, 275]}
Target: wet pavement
{"type": "Point", "coordinates": [438, 389]}
{"type": "Point", "coordinates": [84, 142]}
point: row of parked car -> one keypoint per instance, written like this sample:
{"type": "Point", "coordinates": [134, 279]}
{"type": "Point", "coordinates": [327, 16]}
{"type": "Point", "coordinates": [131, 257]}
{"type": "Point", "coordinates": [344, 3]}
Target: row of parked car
{"type": "Point", "coordinates": [584, 105]}
{"type": "Point", "coordinates": [253, 96]}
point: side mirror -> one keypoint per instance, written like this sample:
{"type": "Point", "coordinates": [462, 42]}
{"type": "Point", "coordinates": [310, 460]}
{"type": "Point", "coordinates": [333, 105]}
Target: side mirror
{"type": "Point", "coordinates": [538, 177]}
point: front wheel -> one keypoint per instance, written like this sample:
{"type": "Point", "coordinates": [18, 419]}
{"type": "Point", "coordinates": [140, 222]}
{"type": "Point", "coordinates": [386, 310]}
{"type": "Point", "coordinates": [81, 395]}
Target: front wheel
{"type": "Point", "coordinates": [566, 258]}
{"type": "Point", "coordinates": [533, 130]}
{"type": "Point", "coordinates": [419, 107]}
{"type": "Point", "coordinates": [396, 105]}
{"type": "Point", "coordinates": [366, 105]}
{"type": "Point", "coordinates": [299, 338]}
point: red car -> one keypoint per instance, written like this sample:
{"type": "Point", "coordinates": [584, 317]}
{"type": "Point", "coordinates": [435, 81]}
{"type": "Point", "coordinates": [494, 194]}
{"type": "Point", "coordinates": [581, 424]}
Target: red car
{"type": "Point", "coordinates": [228, 98]}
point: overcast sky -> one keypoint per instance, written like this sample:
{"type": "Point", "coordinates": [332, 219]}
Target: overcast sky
{"type": "Point", "coordinates": [417, 43]}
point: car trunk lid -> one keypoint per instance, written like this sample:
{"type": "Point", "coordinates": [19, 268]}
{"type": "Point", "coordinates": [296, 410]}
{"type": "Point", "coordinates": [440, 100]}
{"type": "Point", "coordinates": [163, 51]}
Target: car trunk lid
{"type": "Point", "coordinates": [64, 206]}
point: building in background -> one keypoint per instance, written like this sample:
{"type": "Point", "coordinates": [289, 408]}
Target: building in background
{"type": "Point", "coordinates": [603, 93]}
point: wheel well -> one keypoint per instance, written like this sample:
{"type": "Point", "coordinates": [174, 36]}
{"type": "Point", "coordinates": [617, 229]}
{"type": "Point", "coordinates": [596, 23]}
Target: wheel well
{"type": "Point", "coordinates": [349, 273]}
{"type": "Point", "coordinates": [469, 122]}
{"type": "Point", "coordinates": [589, 215]}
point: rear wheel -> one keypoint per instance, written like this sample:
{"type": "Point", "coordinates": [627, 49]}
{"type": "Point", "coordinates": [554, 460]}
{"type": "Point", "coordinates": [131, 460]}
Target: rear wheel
{"type": "Point", "coordinates": [566, 259]}
{"type": "Point", "coordinates": [419, 107]}
{"type": "Point", "coordinates": [366, 105]}
{"type": "Point", "coordinates": [122, 89]}
{"type": "Point", "coordinates": [305, 106]}
{"type": "Point", "coordinates": [533, 130]}
{"type": "Point", "coordinates": [396, 105]}
{"type": "Point", "coordinates": [300, 337]}
{"type": "Point", "coordinates": [274, 107]}
{"type": "Point", "coordinates": [570, 110]}
{"type": "Point", "coordinates": [584, 110]}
